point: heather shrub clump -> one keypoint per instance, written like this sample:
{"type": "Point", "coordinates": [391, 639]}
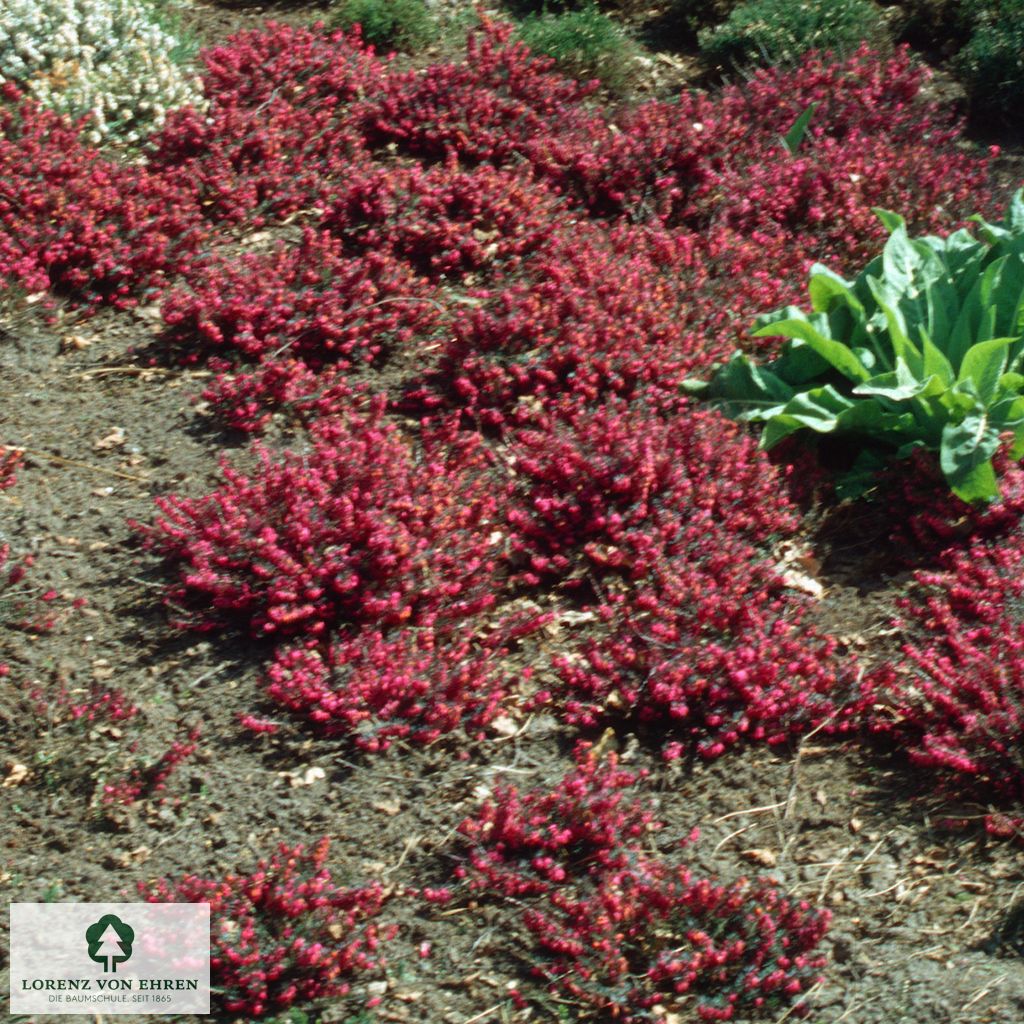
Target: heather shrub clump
{"type": "Point", "coordinates": [286, 933]}
{"type": "Point", "coordinates": [89, 228]}
{"type": "Point", "coordinates": [623, 930]}
{"type": "Point", "coordinates": [956, 703]}
{"type": "Point", "coordinates": [111, 61]}
{"type": "Point", "coordinates": [358, 530]}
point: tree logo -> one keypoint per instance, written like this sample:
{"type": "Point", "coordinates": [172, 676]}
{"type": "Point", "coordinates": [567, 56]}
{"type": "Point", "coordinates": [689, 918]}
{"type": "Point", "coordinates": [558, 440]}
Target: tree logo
{"type": "Point", "coordinates": [110, 942]}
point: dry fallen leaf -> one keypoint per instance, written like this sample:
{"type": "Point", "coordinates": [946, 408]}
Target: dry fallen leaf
{"type": "Point", "coordinates": [388, 807]}
{"type": "Point", "coordinates": [114, 439]}
{"type": "Point", "coordinates": [766, 858]}
{"type": "Point", "coordinates": [16, 775]}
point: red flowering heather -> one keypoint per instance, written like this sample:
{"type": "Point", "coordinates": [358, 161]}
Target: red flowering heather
{"type": "Point", "coordinates": [143, 782]}
{"type": "Point", "coordinates": [588, 315]}
{"type": "Point", "coordinates": [411, 685]}
{"type": "Point", "coordinates": [79, 223]}
{"type": "Point", "coordinates": [928, 518]}
{"type": "Point", "coordinates": [309, 301]}
{"type": "Point", "coordinates": [445, 221]}
{"type": "Point", "coordinates": [358, 530]}
{"type": "Point", "coordinates": [956, 703]}
{"type": "Point", "coordinates": [276, 137]}
{"type": "Point", "coordinates": [246, 398]}
{"type": "Point", "coordinates": [284, 934]}
{"type": "Point", "coordinates": [709, 650]}
{"type": "Point", "coordinates": [623, 931]}
{"type": "Point", "coordinates": [496, 105]}
{"type": "Point", "coordinates": [617, 485]}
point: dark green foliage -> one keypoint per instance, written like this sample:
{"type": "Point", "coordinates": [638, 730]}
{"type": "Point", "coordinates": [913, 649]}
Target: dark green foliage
{"type": "Point", "coordinates": [991, 65]}
{"type": "Point", "coordinates": [584, 44]}
{"type": "Point", "coordinates": [405, 25]}
{"type": "Point", "coordinates": [774, 32]}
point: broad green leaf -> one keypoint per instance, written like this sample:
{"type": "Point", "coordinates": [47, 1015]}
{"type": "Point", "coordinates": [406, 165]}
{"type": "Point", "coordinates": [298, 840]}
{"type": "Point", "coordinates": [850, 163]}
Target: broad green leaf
{"type": "Point", "coordinates": [965, 456]}
{"type": "Point", "coordinates": [827, 287]}
{"type": "Point", "coordinates": [890, 221]}
{"type": "Point", "coordinates": [900, 385]}
{"type": "Point", "coordinates": [935, 362]}
{"type": "Point", "coordinates": [902, 346]}
{"type": "Point", "coordinates": [797, 325]}
{"type": "Point", "coordinates": [1015, 214]}
{"type": "Point", "coordinates": [744, 390]}
{"type": "Point", "coordinates": [984, 365]}
{"type": "Point", "coordinates": [900, 260]}
{"type": "Point", "coordinates": [792, 139]}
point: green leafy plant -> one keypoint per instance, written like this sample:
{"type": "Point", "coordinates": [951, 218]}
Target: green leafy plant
{"type": "Point", "coordinates": [405, 25]}
{"type": "Point", "coordinates": [584, 44]}
{"type": "Point", "coordinates": [924, 348]}
{"type": "Point", "coordinates": [773, 32]}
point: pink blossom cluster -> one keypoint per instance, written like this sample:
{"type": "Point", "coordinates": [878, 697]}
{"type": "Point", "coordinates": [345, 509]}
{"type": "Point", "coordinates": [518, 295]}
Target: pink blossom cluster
{"type": "Point", "coordinates": [622, 929]}
{"type": "Point", "coordinates": [286, 933]}
{"type": "Point", "coordinates": [363, 529]}
{"type": "Point", "coordinates": [142, 782]}
{"type": "Point", "coordinates": [955, 702]}
{"type": "Point", "coordinates": [662, 526]}
{"type": "Point", "coordinates": [615, 486]}
{"type": "Point", "coordinates": [378, 687]}
{"type": "Point", "coordinates": [81, 224]}
{"type": "Point", "coordinates": [279, 134]}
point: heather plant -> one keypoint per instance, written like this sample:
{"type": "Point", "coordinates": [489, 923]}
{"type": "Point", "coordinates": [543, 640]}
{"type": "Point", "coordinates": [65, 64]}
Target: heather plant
{"type": "Point", "coordinates": [114, 62]}
{"type": "Point", "coordinates": [360, 529]}
{"type": "Point", "coordinates": [781, 31]}
{"type": "Point", "coordinates": [622, 930]}
{"type": "Point", "coordinates": [955, 703]}
{"type": "Point", "coordinates": [922, 349]}
{"type": "Point", "coordinates": [613, 487]}
{"type": "Point", "coordinates": [87, 227]}
{"type": "Point", "coordinates": [706, 653]}
{"type": "Point", "coordinates": [276, 136]}
{"type": "Point", "coordinates": [584, 43]}
{"type": "Point", "coordinates": [376, 687]}
{"type": "Point", "coordinates": [406, 25]}
{"type": "Point", "coordinates": [310, 301]}
{"type": "Point", "coordinates": [284, 934]}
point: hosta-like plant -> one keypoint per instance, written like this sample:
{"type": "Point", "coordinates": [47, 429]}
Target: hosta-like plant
{"type": "Point", "coordinates": [923, 349]}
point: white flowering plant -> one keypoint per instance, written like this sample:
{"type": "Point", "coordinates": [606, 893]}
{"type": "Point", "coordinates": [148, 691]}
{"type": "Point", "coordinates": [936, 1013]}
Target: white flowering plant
{"type": "Point", "coordinates": [116, 61]}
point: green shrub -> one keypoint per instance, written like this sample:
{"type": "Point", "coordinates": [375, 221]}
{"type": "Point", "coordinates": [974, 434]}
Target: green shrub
{"type": "Point", "coordinates": [584, 44]}
{"type": "Point", "coordinates": [923, 349]}
{"type": "Point", "coordinates": [991, 65]}
{"type": "Point", "coordinates": [780, 31]}
{"type": "Point", "coordinates": [405, 25]}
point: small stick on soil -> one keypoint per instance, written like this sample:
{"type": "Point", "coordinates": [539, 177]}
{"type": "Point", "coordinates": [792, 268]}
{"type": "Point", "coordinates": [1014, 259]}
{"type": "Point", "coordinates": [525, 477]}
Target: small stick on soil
{"type": "Point", "coordinates": [751, 810]}
{"type": "Point", "coordinates": [483, 1013]}
{"type": "Point", "coordinates": [74, 462]}
{"type": "Point", "coordinates": [138, 370]}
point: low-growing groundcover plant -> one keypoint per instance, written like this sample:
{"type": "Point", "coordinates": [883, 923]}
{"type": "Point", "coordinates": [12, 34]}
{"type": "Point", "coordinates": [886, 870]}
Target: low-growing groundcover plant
{"type": "Point", "coordinates": [955, 703]}
{"type": "Point", "coordinates": [285, 933]}
{"type": "Point", "coordinates": [625, 931]}
{"type": "Point", "coordinates": [922, 349]}
{"type": "Point", "coordinates": [584, 44]}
